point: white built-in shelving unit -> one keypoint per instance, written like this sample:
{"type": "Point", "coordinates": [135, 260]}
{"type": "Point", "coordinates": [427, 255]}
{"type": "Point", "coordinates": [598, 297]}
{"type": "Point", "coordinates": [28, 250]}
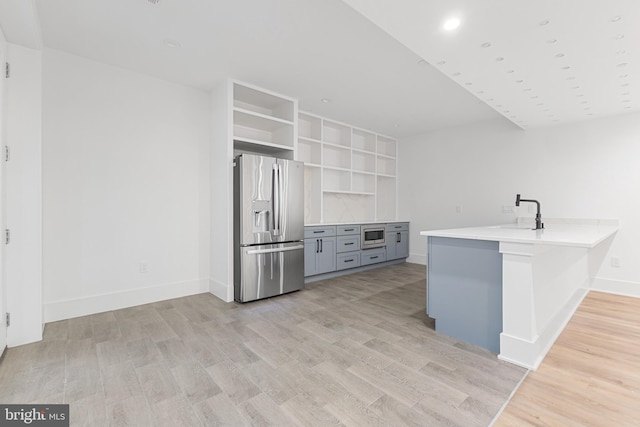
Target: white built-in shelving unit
{"type": "Point", "coordinates": [350, 173]}
{"type": "Point", "coordinates": [263, 122]}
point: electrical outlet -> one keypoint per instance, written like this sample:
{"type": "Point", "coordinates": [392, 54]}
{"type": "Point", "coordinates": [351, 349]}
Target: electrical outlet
{"type": "Point", "coordinates": [144, 267]}
{"type": "Point", "coordinates": [458, 209]}
{"type": "Point", "coordinates": [615, 262]}
{"type": "Point", "coordinates": [507, 208]}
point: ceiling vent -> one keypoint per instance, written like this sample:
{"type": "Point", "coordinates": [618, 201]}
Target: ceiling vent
{"type": "Point", "coordinates": [154, 2]}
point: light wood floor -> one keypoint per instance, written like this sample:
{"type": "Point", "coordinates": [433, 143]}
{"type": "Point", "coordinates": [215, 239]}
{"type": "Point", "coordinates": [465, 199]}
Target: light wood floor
{"type": "Point", "coordinates": [591, 375]}
{"type": "Point", "coordinates": [356, 350]}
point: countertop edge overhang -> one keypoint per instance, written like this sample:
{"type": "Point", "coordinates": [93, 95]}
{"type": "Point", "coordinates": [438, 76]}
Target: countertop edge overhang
{"type": "Point", "coordinates": [574, 235]}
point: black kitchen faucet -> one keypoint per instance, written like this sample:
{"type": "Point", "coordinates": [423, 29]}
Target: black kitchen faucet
{"type": "Point", "coordinates": [539, 224]}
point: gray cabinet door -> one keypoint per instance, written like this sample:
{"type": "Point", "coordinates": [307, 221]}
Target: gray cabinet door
{"type": "Point", "coordinates": [319, 255]}
{"type": "Point", "coordinates": [310, 252]}
{"type": "Point", "coordinates": [390, 240]}
{"type": "Point", "coordinates": [402, 246]}
{"type": "Point", "coordinates": [326, 257]}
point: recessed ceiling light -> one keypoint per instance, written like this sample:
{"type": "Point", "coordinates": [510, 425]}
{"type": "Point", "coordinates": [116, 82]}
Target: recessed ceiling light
{"type": "Point", "coordinates": [566, 67]}
{"type": "Point", "coordinates": [621, 52]}
{"type": "Point", "coordinates": [580, 95]}
{"type": "Point", "coordinates": [442, 62]}
{"type": "Point", "coordinates": [619, 37]}
{"type": "Point", "coordinates": [627, 107]}
{"type": "Point", "coordinates": [551, 115]}
{"type": "Point", "coordinates": [154, 2]}
{"type": "Point", "coordinates": [468, 84]}
{"type": "Point", "coordinates": [480, 92]}
{"type": "Point", "coordinates": [616, 18]}
{"type": "Point", "coordinates": [559, 55]}
{"type": "Point", "coordinates": [623, 76]}
{"type": "Point", "coordinates": [451, 24]}
{"type": "Point", "coordinates": [325, 100]}
{"type": "Point", "coordinates": [422, 62]}
{"type": "Point", "coordinates": [499, 59]}
{"type": "Point", "coordinates": [527, 89]}
{"type": "Point", "coordinates": [622, 65]}
{"type": "Point", "coordinates": [590, 114]}
{"type": "Point", "coordinates": [551, 41]}
{"type": "Point", "coordinates": [519, 81]}
{"type": "Point", "coordinates": [626, 94]}
{"type": "Point", "coordinates": [506, 111]}
{"type": "Point", "coordinates": [584, 102]}
{"type": "Point", "coordinates": [489, 99]}
{"type": "Point", "coordinates": [571, 78]}
{"type": "Point", "coordinates": [534, 97]}
{"type": "Point", "coordinates": [540, 104]}
{"type": "Point", "coordinates": [543, 23]}
{"type": "Point", "coordinates": [511, 71]}
{"type": "Point", "coordinates": [485, 44]}
{"type": "Point", "coordinates": [455, 74]}
{"type": "Point", "coordinates": [587, 108]}
{"type": "Point", "coordinates": [626, 100]}
{"type": "Point", "coordinates": [499, 106]}
{"type": "Point", "coordinates": [173, 44]}
{"type": "Point", "coordinates": [576, 87]}
{"type": "Point", "coordinates": [546, 109]}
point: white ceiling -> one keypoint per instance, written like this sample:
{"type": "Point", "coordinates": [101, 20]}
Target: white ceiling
{"type": "Point", "coordinates": [311, 49]}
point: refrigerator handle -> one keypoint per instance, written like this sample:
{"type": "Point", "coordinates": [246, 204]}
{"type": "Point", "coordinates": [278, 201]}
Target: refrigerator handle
{"type": "Point", "coordinates": [270, 251]}
{"type": "Point", "coordinates": [276, 199]}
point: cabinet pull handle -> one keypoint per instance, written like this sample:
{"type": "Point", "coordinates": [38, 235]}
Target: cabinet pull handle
{"type": "Point", "coordinates": [399, 237]}
{"type": "Point", "coordinates": [348, 229]}
{"type": "Point", "coordinates": [348, 260]}
{"type": "Point", "coordinates": [374, 257]}
{"type": "Point", "coordinates": [348, 244]}
{"type": "Point", "coordinates": [317, 245]}
{"type": "Point", "coordinates": [320, 245]}
{"type": "Point", "coordinates": [318, 232]}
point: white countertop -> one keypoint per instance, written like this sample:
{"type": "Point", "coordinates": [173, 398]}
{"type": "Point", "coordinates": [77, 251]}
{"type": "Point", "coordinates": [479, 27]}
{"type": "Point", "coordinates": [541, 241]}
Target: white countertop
{"type": "Point", "coordinates": [555, 233]}
{"type": "Point", "coordinates": [354, 223]}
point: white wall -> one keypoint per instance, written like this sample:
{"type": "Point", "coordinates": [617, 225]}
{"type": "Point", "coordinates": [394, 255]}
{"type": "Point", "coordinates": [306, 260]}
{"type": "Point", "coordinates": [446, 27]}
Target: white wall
{"type": "Point", "coordinates": [23, 198]}
{"type": "Point", "coordinates": [583, 170]}
{"type": "Point", "coordinates": [125, 181]}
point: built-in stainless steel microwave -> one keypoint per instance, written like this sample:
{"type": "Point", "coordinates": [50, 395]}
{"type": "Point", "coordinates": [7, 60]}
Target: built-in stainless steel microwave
{"type": "Point", "coordinates": [372, 236]}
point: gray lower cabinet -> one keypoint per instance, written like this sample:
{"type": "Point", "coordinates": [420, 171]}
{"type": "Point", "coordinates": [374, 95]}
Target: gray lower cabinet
{"type": "Point", "coordinates": [319, 250]}
{"type": "Point", "coordinates": [330, 248]}
{"type": "Point", "coordinates": [397, 240]}
{"type": "Point", "coordinates": [372, 256]}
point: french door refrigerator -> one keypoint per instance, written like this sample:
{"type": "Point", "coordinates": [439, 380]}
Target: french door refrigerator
{"type": "Point", "coordinates": [268, 227]}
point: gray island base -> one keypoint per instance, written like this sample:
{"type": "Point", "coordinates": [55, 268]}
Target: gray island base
{"type": "Point", "coordinates": [509, 288]}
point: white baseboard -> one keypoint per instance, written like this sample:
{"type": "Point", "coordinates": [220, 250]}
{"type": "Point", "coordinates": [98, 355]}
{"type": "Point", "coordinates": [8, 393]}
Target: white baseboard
{"type": "Point", "coordinates": [221, 290]}
{"type": "Point", "coordinates": [529, 354]}
{"type": "Point", "coordinates": [76, 307]}
{"type": "Point", "coordinates": [417, 259]}
{"type": "Point", "coordinates": [618, 287]}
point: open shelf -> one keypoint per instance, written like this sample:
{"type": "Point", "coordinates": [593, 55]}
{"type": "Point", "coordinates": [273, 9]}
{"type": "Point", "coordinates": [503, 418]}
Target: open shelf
{"type": "Point", "coordinates": [386, 146]}
{"type": "Point", "coordinates": [362, 140]}
{"type": "Point", "coordinates": [363, 183]}
{"type": "Point", "coordinates": [336, 133]}
{"type": "Point", "coordinates": [363, 162]}
{"type": "Point", "coordinates": [309, 151]}
{"type": "Point", "coordinates": [309, 126]}
{"type": "Point", "coordinates": [336, 156]}
{"type": "Point", "coordinates": [248, 126]}
{"type": "Point", "coordinates": [386, 166]}
{"type": "Point", "coordinates": [336, 180]}
{"type": "Point", "coordinates": [263, 103]}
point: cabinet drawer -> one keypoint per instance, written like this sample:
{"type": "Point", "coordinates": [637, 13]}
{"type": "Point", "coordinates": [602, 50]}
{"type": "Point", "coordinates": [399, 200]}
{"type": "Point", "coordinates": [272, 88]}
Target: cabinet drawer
{"type": "Point", "coordinates": [313, 232]}
{"type": "Point", "coordinates": [348, 260]}
{"type": "Point", "coordinates": [348, 229]}
{"type": "Point", "coordinates": [348, 243]}
{"type": "Point", "coordinates": [373, 256]}
{"type": "Point", "coordinates": [398, 226]}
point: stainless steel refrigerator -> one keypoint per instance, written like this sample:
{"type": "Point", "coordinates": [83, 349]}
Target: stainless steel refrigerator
{"type": "Point", "coordinates": [268, 227]}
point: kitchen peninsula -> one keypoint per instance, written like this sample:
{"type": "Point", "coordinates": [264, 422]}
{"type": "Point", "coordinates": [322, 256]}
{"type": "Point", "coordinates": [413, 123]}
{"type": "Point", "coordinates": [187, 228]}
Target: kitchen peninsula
{"type": "Point", "coordinates": [509, 288]}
